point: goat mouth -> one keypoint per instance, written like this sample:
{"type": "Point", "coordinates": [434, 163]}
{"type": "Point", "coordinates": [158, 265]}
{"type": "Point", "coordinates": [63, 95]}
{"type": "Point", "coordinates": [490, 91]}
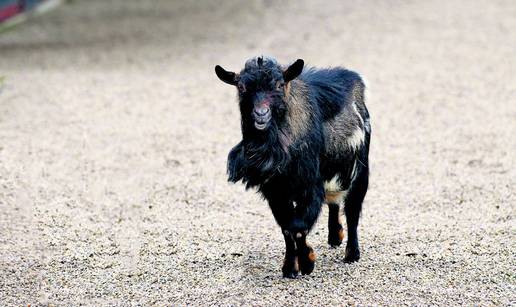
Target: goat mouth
{"type": "Point", "coordinates": [262, 122]}
{"type": "Point", "coordinates": [261, 126]}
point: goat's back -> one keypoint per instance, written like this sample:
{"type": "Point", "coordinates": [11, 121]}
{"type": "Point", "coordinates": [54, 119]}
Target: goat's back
{"type": "Point", "coordinates": [339, 95]}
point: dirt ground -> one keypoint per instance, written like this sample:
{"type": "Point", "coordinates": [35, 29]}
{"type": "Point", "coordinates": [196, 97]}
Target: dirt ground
{"type": "Point", "coordinates": [114, 133]}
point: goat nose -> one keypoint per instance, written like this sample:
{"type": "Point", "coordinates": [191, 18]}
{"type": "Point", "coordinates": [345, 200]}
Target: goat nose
{"type": "Point", "coordinates": [261, 111]}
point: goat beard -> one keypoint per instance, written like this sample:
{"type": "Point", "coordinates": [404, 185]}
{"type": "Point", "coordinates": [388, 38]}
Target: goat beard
{"type": "Point", "coordinates": [256, 159]}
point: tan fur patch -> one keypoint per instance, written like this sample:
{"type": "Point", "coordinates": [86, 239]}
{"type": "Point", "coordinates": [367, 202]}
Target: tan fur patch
{"type": "Point", "coordinates": [341, 234]}
{"type": "Point", "coordinates": [298, 110]}
{"type": "Point", "coordinates": [311, 255]}
{"type": "Point", "coordinates": [334, 197]}
{"type": "Point", "coordinates": [286, 88]}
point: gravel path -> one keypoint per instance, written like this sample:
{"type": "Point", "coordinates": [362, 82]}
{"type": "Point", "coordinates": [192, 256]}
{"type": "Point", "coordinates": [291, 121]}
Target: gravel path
{"type": "Point", "coordinates": [114, 133]}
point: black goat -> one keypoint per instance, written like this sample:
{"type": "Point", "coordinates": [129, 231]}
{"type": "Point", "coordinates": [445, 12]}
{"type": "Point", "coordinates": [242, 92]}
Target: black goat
{"type": "Point", "coordinates": [305, 141]}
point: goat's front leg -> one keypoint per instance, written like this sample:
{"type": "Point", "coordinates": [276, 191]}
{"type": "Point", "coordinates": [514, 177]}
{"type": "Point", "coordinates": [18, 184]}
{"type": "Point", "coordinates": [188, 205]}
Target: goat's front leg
{"type": "Point", "coordinates": [299, 256]}
{"type": "Point", "coordinates": [283, 211]}
{"type": "Point", "coordinates": [306, 255]}
{"type": "Point", "coordinates": [290, 267]}
{"type": "Point", "coordinates": [305, 215]}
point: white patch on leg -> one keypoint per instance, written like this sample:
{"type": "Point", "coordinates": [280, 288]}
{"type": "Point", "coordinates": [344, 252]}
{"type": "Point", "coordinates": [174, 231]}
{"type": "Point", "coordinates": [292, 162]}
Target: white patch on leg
{"type": "Point", "coordinates": [332, 185]}
{"type": "Point", "coordinates": [344, 194]}
{"type": "Point", "coordinates": [333, 191]}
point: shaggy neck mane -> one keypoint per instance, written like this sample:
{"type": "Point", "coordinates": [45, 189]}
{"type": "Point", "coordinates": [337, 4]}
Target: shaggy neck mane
{"type": "Point", "coordinates": [261, 157]}
{"type": "Point", "coordinates": [264, 154]}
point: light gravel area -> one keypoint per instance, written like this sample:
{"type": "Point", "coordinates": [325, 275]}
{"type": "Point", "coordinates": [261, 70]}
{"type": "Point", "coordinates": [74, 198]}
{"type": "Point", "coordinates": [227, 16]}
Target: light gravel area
{"type": "Point", "coordinates": [114, 133]}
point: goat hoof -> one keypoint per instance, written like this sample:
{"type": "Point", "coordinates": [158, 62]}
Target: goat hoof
{"type": "Point", "coordinates": [335, 237]}
{"type": "Point", "coordinates": [290, 267]}
{"type": "Point", "coordinates": [307, 262]}
{"type": "Point", "coordinates": [307, 267]}
{"type": "Point", "coordinates": [291, 275]}
{"type": "Point", "coordinates": [352, 254]}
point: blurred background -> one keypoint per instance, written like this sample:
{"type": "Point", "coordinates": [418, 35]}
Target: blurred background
{"type": "Point", "coordinates": [114, 133]}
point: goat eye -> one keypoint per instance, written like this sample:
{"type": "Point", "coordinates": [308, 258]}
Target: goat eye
{"type": "Point", "coordinates": [241, 87]}
{"type": "Point", "coordinates": [280, 84]}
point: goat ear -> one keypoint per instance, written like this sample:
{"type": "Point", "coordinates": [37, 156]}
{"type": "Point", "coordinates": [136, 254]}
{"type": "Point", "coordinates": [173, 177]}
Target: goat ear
{"type": "Point", "coordinates": [293, 70]}
{"type": "Point", "coordinates": [226, 76]}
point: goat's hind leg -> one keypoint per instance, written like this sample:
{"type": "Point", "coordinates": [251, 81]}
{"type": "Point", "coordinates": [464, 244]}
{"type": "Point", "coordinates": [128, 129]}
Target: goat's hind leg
{"type": "Point", "coordinates": [333, 196]}
{"type": "Point", "coordinates": [335, 229]}
{"type": "Point", "coordinates": [352, 208]}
